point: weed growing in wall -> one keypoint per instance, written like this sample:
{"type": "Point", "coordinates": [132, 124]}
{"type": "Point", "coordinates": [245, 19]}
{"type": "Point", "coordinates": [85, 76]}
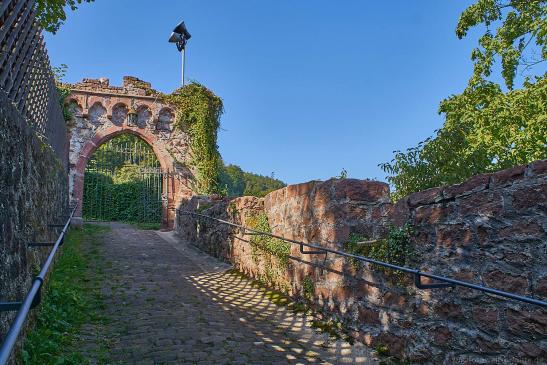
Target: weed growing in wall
{"type": "Point", "coordinates": [267, 245]}
{"type": "Point", "coordinates": [395, 249]}
{"type": "Point", "coordinates": [308, 287]}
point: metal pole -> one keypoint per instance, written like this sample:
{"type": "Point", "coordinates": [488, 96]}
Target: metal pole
{"type": "Point", "coordinates": [33, 294]}
{"type": "Point", "coordinates": [182, 52]}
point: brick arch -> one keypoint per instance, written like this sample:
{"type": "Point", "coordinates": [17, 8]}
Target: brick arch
{"type": "Point", "coordinates": [102, 136]}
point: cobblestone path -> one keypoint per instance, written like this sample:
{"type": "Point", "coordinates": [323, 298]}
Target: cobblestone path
{"type": "Point", "coordinates": [168, 303]}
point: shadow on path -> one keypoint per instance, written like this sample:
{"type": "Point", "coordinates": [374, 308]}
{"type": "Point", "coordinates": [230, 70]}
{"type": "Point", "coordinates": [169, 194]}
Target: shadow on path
{"type": "Point", "coordinates": [166, 302]}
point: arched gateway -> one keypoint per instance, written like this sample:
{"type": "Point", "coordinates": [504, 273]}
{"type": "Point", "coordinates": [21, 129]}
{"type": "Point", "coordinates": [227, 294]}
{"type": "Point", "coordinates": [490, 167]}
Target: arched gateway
{"type": "Point", "coordinates": [102, 112]}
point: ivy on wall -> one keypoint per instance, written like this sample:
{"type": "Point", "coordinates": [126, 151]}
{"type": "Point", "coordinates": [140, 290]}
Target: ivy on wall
{"type": "Point", "coordinates": [198, 114]}
{"type": "Point", "coordinates": [396, 249]}
{"type": "Point", "coordinates": [270, 253]}
{"type": "Point", "coordinates": [63, 91]}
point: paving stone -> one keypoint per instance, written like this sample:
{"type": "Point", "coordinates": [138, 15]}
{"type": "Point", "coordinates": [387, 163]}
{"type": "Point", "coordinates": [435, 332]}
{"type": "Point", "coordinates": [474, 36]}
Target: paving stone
{"type": "Point", "coordinates": [175, 305]}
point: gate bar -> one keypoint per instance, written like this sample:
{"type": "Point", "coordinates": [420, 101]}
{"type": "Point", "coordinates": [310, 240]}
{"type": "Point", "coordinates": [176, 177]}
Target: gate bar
{"type": "Point", "coordinates": [444, 281]}
{"type": "Point", "coordinates": [31, 300]}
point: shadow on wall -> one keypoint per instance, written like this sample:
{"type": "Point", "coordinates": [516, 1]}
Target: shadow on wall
{"type": "Point", "coordinates": [489, 230]}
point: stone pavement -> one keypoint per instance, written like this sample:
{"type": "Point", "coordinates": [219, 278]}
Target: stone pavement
{"type": "Point", "coordinates": [166, 302]}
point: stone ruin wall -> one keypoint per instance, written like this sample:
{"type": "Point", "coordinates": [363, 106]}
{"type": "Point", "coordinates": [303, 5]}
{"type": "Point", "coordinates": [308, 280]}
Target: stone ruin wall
{"type": "Point", "coordinates": [100, 113]}
{"type": "Point", "coordinates": [489, 230]}
{"type": "Point", "coordinates": [33, 195]}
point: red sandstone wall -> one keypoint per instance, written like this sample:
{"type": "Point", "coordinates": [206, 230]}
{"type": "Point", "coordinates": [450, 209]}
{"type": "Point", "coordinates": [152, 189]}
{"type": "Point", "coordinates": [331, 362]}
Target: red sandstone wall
{"type": "Point", "coordinates": [488, 230]}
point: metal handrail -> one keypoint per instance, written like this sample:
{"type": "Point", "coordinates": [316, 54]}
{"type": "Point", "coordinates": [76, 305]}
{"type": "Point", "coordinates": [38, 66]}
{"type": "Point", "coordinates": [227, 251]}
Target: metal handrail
{"type": "Point", "coordinates": [442, 280]}
{"type": "Point", "coordinates": [31, 300]}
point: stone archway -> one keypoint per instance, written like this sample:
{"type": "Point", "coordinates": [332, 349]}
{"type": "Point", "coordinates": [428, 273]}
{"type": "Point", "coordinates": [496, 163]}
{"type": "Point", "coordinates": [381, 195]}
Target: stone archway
{"type": "Point", "coordinates": [101, 113]}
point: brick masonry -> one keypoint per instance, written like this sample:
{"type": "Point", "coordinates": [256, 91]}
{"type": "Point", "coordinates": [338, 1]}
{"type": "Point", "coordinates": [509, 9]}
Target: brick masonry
{"type": "Point", "coordinates": [488, 230]}
{"type": "Point", "coordinates": [100, 113]}
{"type": "Point", "coordinates": [33, 194]}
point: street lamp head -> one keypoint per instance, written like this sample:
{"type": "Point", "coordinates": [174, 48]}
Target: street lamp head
{"type": "Point", "coordinates": [181, 29]}
{"type": "Point", "coordinates": [180, 36]}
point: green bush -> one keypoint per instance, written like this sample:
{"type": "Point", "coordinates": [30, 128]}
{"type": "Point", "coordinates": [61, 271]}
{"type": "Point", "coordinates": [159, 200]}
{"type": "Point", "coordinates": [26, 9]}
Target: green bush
{"type": "Point", "coordinates": [114, 187]}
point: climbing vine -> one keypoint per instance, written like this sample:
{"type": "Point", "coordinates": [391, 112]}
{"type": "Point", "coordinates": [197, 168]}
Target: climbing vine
{"type": "Point", "coordinates": [395, 249]}
{"type": "Point", "coordinates": [267, 244]}
{"type": "Point", "coordinates": [270, 254]}
{"type": "Point", "coordinates": [63, 91]}
{"type": "Point", "coordinates": [198, 114]}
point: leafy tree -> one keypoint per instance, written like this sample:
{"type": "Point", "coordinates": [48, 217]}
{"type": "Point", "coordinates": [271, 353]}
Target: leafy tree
{"type": "Point", "coordinates": [486, 129]}
{"type": "Point", "coordinates": [51, 14]}
{"type": "Point", "coordinates": [258, 185]}
{"type": "Point", "coordinates": [232, 177]}
{"type": "Point", "coordinates": [522, 24]}
{"type": "Point", "coordinates": [239, 182]}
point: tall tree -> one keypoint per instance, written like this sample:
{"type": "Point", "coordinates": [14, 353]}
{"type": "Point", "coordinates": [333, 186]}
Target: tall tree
{"type": "Point", "coordinates": [487, 129]}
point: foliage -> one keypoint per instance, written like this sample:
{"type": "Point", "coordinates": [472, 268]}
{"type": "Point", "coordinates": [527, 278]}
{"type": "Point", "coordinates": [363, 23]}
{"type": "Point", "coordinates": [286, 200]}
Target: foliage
{"type": "Point", "coordinates": [68, 302]}
{"type": "Point", "coordinates": [124, 202]}
{"type": "Point", "coordinates": [63, 91]}
{"type": "Point", "coordinates": [395, 249]}
{"type": "Point", "coordinates": [266, 244]}
{"type": "Point", "coordinates": [522, 25]}
{"type": "Point", "coordinates": [51, 14]}
{"type": "Point", "coordinates": [343, 174]}
{"type": "Point", "coordinates": [239, 183]}
{"type": "Point", "coordinates": [114, 187]}
{"type": "Point", "coordinates": [233, 178]}
{"type": "Point", "coordinates": [308, 287]}
{"type": "Point", "coordinates": [382, 349]}
{"type": "Point", "coordinates": [485, 128]}
{"type": "Point", "coordinates": [198, 114]}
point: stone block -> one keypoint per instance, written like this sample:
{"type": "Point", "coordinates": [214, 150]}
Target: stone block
{"type": "Point", "coordinates": [507, 176]}
{"type": "Point", "coordinates": [425, 197]}
{"type": "Point", "coordinates": [442, 336]}
{"type": "Point", "coordinates": [484, 203]}
{"type": "Point", "coordinates": [506, 281]}
{"type": "Point", "coordinates": [538, 167]}
{"type": "Point", "coordinates": [472, 185]}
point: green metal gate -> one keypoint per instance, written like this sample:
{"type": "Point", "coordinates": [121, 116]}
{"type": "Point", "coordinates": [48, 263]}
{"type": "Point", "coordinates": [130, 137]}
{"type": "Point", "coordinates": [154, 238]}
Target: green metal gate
{"type": "Point", "coordinates": [124, 182]}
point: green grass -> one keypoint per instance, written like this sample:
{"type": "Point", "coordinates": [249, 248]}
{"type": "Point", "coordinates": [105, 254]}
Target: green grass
{"type": "Point", "coordinates": [70, 299]}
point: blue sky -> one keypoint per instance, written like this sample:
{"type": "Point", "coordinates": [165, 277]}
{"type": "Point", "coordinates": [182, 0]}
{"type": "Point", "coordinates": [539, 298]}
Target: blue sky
{"type": "Point", "coordinates": [309, 87]}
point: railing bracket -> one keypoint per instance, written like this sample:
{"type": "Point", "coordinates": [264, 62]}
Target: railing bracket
{"type": "Point", "coordinates": [10, 306]}
{"type": "Point", "coordinates": [311, 252]}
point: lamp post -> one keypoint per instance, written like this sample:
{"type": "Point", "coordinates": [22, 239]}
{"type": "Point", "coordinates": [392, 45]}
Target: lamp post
{"type": "Point", "coordinates": [180, 36]}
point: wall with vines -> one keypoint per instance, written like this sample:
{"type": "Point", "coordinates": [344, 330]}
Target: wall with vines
{"type": "Point", "coordinates": [488, 230]}
{"type": "Point", "coordinates": [198, 112]}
